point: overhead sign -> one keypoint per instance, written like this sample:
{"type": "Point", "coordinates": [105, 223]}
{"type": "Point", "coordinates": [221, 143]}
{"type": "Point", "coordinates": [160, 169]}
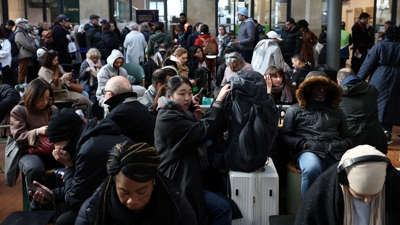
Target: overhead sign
{"type": "Point", "coordinates": [147, 16]}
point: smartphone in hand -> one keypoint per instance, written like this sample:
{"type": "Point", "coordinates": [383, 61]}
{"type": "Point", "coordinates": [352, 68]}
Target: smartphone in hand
{"type": "Point", "coordinates": [47, 195]}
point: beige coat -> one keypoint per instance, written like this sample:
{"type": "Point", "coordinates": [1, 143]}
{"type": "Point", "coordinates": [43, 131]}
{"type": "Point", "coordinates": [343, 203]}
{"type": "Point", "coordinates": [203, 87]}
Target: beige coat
{"type": "Point", "coordinates": [47, 74]}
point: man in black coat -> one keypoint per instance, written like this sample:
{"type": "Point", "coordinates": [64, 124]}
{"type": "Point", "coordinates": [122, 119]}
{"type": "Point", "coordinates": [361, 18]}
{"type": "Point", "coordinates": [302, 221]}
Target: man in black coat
{"type": "Point", "coordinates": [61, 38]}
{"type": "Point", "coordinates": [291, 41]}
{"type": "Point", "coordinates": [83, 149]}
{"type": "Point", "coordinates": [315, 129]}
{"type": "Point", "coordinates": [361, 42]}
{"type": "Point", "coordinates": [301, 69]}
{"type": "Point", "coordinates": [93, 31]}
{"type": "Point", "coordinates": [359, 105]}
{"type": "Point", "coordinates": [132, 117]}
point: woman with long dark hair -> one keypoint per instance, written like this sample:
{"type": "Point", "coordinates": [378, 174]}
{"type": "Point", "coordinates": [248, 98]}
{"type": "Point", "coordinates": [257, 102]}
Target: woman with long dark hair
{"type": "Point", "coordinates": [283, 91]}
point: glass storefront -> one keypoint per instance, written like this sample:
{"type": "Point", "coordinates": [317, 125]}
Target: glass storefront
{"type": "Point", "coordinates": [168, 15]}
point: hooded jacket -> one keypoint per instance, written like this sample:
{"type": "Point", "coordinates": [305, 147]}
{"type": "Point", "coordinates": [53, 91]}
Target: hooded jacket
{"type": "Point", "coordinates": [90, 161]}
{"type": "Point", "coordinates": [360, 107]}
{"type": "Point", "coordinates": [267, 53]}
{"type": "Point", "coordinates": [155, 40]}
{"type": "Point", "coordinates": [133, 118]}
{"type": "Point", "coordinates": [321, 125]}
{"type": "Point", "coordinates": [108, 71]}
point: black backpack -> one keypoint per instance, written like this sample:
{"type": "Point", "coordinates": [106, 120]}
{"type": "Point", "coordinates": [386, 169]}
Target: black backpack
{"type": "Point", "coordinates": [332, 73]}
{"type": "Point", "coordinates": [252, 122]}
{"type": "Point", "coordinates": [14, 49]}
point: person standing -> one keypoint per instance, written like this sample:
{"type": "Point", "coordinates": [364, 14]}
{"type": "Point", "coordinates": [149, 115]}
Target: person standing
{"type": "Point", "coordinates": [192, 37]}
{"type": "Point", "coordinates": [345, 42]}
{"type": "Point", "coordinates": [222, 39]}
{"type": "Point", "coordinates": [382, 63]}
{"type": "Point", "coordinates": [5, 60]}
{"type": "Point", "coordinates": [109, 41]}
{"type": "Point", "coordinates": [309, 40]}
{"type": "Point", "coordinates": [134, 45]}
{"type": "Point", "coordinates": [360, 42]}
{"type": "Point", "coordinates": [156, 39]}
{"type": "Point", "coordinates": [61, 37]}
{"type": "Point", "coordinates": [7, 28]}
{"type": "Point", "coordinates": [26, 46]}
{"type": "Point", "coordinates": [246, 35]}
{"type": "Point", "coordinates": [291, 41]}
{"type": "Point", "coordinates": [93, 31]}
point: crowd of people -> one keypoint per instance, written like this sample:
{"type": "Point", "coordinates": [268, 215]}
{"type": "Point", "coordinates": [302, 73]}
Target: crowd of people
{"type": "Point", "coordinates": [146, 157]}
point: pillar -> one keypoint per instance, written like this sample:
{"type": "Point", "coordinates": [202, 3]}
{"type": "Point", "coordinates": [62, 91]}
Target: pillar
{"type": "Point", "coordinates": [333, 37]}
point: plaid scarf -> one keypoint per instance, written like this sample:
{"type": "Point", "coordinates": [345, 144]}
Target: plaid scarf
{"type": "Point", "coordinates": [166, 103]}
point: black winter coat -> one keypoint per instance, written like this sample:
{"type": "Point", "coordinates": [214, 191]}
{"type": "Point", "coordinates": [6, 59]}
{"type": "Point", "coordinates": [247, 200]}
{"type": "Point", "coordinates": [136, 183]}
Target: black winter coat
{"type": "Point", "coordinates": [132, 117]}
{"type": "Point", "coordinates": [291, 42]}
{"type": "Point", "coordinates": [82, 179]}
{"type": "Point", "coordinates": [109, 41]}
{"type": "Point", "coordinates": [323, 203]}
{"type": "Point", "coordinates": [359, 105]}
{"type": "Point", "coordinates": [176, 139]}
{"type": "Point", "coordinates": [297, 77]}
{"type": "Point", "coordinates": [60, 44]}
{"type": "Point", "coordinates": [181, 208]}
{"type": "Point", "coordinates": [93, 35]}
{"type": "Point", "coordinates": [383, 64]}
{"type": "Point", "coordinates": [321, 125]}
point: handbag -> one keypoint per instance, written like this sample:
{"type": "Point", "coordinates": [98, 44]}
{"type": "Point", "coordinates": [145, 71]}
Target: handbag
{"type": "Point", "coordinates": [44, 148]}
{"type": "Point", "coordinates": [13, 153]}
{"type": "Point", "coordinates": [71, 47]}
{"type": "Point", "coordinates": [319, 47]}
{"type": "Point", "coordinates": [76, 87]}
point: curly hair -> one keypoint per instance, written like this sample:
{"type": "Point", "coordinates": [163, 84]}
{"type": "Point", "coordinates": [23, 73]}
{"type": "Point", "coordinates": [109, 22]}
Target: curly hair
{"type": "Point", "coordinates": [47, 58]}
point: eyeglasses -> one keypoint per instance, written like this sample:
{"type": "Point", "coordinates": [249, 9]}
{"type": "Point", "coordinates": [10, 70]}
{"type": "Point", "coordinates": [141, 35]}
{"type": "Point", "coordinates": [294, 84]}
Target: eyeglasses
{"type": "Point", "coordinates": [48, 99]}
{"type": "Point", "coordinates": [104, 91]}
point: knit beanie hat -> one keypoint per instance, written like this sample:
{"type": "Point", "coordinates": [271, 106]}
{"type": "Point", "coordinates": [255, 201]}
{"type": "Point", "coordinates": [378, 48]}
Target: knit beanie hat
{"type": "Point", "coordinates": [243, 12]}
{"type": "Point", "coordinates": [64, 125]}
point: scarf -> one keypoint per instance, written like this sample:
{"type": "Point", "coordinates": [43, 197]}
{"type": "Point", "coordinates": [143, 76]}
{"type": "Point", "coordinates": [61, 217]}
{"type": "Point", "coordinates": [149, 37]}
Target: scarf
{"type": "Point", "coordinates": [93, 71]}
{"type": "Point", "coordinates": [286, 95]}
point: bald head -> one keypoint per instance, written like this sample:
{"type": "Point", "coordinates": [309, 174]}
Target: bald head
{"type": "Point", "coordinates": [343, 73]}
{"type": "Point", "coordinates": [117, 85]}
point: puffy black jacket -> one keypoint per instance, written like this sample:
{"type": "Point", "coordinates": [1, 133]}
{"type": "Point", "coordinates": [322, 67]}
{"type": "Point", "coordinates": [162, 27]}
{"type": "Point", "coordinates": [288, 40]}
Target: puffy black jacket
{"type": "Point", "coordinates": [297, 77]}
{"type": "Point", "coordinates": [321, 125]}
{"type": "Point", "coordinates": [291, 42]}
{"type": "Point", "coordinates": [93, 35]}
{"type": "Point", "coordinates": [82, 179]}
{"type": "Point", "coordinates": [181, 208]}
{"type": "Point", "coordinates": [109, 41]}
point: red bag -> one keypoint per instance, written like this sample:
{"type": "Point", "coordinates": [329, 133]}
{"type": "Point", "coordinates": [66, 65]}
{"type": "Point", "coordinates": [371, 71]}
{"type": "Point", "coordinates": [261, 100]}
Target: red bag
{"type": "Point", "coordinates": [44, 148]}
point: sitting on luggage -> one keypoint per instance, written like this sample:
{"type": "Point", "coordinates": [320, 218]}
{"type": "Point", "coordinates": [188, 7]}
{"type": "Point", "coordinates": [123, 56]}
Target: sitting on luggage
{"type": "Point", "coordinates": [135, 192]}
{"type": "Point", "coordinates": [363, 188]}
{"type": "Point", "coordinates": [315, 129]}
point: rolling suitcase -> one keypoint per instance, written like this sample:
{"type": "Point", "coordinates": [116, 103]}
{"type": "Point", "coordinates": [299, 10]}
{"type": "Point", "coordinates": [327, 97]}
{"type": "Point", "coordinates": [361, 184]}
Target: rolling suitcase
{"type": "Point", "coordinates": [256, 194]}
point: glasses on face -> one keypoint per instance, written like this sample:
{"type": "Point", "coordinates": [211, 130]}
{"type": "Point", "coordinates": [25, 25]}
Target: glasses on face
{"type": "Point", "coordinates": [104, 91]}
{"type": "Point", "coordinates": [48, 99]}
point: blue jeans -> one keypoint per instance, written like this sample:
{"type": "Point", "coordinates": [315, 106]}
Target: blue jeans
{"type": "Point", "coordinates": [218, 210]}
{"type": "Point", "coordinates": [311, 167]}
{"type": "Point", "coordinates": [87, 88]}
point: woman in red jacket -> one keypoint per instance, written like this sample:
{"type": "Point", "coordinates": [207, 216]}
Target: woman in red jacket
{"type": "Point", "coordinates": [209, 45]}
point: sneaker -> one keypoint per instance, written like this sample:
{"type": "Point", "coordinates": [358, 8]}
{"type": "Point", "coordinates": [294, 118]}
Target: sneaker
{"type": "Point", "coordinates": [388, 137]}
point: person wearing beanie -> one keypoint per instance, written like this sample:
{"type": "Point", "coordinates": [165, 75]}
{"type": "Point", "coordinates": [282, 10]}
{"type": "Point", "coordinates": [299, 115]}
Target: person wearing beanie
{"type": "Point", "coordinates": [132, 167]}
{"type": "Point", "coordinates": [245, 39]}
{"type": "Point", "coordinates": [351, 192]}
{"type": "Point", "coordinates": [315, 128]}
{"type": "Point", "coordinates": [83, 150]}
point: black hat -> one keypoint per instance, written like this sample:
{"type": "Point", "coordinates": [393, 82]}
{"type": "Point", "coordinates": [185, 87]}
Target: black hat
{"type": "Point", "coordinates": [94, 16]}
{"type": "Point", "coordinates": [64, 125]}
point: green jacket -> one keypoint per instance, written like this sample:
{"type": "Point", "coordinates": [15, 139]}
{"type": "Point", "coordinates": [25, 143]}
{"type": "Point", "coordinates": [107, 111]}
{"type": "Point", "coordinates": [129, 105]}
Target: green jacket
{"type": "Point", "coordinates": [155, 40]}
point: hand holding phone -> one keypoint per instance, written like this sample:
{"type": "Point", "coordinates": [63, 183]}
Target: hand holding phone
{"type": "Point", "coordinates": [47, 195]}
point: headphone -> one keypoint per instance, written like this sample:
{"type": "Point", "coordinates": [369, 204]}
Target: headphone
{"type": "Point", "coordinates": [341, 170]}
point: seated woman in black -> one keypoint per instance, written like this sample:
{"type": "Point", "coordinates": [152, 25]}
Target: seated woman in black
{"type": "Point", "coordinates": [135, 193]}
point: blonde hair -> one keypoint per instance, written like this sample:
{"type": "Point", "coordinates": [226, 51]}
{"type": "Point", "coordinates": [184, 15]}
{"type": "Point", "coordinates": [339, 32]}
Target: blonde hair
{"type": "Point", "coordinates": [93, 53]}
{"type": "Point", "coordinates": [179, 52]}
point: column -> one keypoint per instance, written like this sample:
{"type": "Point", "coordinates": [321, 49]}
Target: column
{"type": "Point", "coordinates": [202, 11]}
{"type": "Point", "coordinates": [310, 10]}
{"type": "Point", "coordinates": [333, 37]}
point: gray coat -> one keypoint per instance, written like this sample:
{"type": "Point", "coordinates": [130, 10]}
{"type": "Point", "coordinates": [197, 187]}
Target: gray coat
{"type": "Point", "coordinates": [27, 47]}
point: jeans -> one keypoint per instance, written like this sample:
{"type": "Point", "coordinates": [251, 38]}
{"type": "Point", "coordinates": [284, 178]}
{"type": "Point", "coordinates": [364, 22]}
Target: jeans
{"type": "Point", "coordinates": [311, 167]}
{"type": "Point", "coordinates": [218, 210]}
{"type": "Point", "coordinates": [246, 54]}
{"type": "Point", "coordinates": [84, 93]}
{"type": "Point", "coordinates": [87, 88]}
{"type": "Point", "coordinates": [32, 166]}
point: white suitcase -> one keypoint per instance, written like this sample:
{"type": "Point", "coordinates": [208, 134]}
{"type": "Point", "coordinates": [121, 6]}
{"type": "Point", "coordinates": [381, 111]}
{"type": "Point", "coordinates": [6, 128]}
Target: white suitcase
{"type": "Point", "coordinates": [256, 194]}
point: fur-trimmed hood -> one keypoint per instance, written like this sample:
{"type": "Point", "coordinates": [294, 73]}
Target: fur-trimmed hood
{"type": "Point", "coordinates": [333, 97]}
